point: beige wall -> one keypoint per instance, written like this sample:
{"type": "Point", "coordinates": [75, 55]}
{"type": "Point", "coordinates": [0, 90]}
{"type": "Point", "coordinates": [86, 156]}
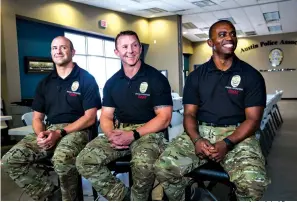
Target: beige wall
{"type": "Point", "coordinates": [163, 50]}
{"type": "Point", "coordinates": [85, 18]}
{"type": "Point", "coordinates": [11, 89]}
{"type": "Point", "coordinates": [258, 58]}
{"type": "Point", "coordinates": [187, 46]}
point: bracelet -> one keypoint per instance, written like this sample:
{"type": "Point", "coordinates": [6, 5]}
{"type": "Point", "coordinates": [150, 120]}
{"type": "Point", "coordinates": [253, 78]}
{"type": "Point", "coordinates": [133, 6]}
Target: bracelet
{"type": "Point", "coordinates": [196, 139]}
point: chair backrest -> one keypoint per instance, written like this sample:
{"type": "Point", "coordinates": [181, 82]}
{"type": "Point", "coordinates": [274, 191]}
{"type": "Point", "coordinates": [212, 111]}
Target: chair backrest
{"type": "Point", "coordinates": [27, 118]}
{"type": "Point", "coordinates": [175, 95]}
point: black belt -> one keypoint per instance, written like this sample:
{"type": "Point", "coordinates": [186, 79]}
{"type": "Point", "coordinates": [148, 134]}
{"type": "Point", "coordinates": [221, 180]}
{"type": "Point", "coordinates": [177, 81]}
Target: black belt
{"type": "Point", "coordinates": [218, 125]}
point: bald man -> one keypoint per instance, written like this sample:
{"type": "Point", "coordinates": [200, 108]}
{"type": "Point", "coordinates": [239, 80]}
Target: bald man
{"type": "Point", "coordinates": [69, 97]}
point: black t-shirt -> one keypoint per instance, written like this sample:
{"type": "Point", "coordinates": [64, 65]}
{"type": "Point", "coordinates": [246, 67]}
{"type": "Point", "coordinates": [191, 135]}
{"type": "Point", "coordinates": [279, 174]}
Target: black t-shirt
{"type": "Point", "coordinates": [222, 96]}
{"type": "Point", "coordinates": [134, 99]}
{"type": "Point", "coordinates": [66, 100]}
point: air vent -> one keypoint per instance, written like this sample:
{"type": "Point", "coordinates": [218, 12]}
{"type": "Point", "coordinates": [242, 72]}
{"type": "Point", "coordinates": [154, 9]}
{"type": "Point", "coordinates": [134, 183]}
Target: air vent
{"type": "Point", "coordinates": [204, 29]}
{"type": "Point", "coordinates": [204, 3]}
{"type": "Point", "coordinates": [189, 25]}
{"type": "Point", "coordinates": [239, 33]}
{"type": "Point", "coordinates": [202, 36]}
{"type": "Point", "coordinates": [229, 19]}
{"type": "Point", "coordinates": [251, 33]}
{"type": "Point", "coordinates": [155, 10]}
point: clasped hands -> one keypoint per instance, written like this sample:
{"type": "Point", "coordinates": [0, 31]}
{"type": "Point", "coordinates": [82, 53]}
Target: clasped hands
{"type": "Point", "coordinates": [216, 152]}
{"type": "Point", "coordinates": [48, 139]}
{"type": "Point", "coordinates": [120, 139]}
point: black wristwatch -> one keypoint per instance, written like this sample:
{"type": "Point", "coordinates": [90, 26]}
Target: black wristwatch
{"type": "Point", "coordinates": [63, 132]}
{"type": "Point", "coordinates": [136, 134]}
{"type": "Point", "coordinates": [229, 143]}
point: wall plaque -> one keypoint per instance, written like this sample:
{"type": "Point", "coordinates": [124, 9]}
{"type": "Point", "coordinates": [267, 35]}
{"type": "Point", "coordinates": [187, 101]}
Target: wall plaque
{"type": "Point", "coordinates": [276, 57]}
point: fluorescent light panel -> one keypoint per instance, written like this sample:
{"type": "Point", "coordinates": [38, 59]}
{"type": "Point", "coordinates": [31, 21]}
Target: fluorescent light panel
{"type": "Point", "coordinates": [276, 28]}
{"type": "Point", "coordinates": [271, 16]}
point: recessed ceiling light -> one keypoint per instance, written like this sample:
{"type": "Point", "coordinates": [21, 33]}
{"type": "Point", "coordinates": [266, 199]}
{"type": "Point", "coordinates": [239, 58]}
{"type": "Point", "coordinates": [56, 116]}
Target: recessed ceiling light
{"type": "Point", "coordinates": [271, 16]}
{"type": "Point", "coordinates": [276, 28]}
{"type": "Point", "coordinates": [185, 32]}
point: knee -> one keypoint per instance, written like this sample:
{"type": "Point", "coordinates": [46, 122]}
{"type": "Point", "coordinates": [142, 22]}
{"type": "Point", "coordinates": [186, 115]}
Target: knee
{"type": "Point", "coordinates": [63, 161]}
{"type": "Point", "coordinates": [87, 162]}
{"type": "Point", "coordinates": [251, 184]}
{"type": "Point", "coordinates": [80, 162]}
{"type": "Point", "coordinates": [165, 169]}
{"type": "Point", "coordinates": [15, 157]}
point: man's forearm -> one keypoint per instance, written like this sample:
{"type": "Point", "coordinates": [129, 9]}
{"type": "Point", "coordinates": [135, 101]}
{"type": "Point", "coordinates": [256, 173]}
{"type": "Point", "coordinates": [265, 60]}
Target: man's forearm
{"type": "Point", "coordinates": [80, 124]}
{"type": "Point", "coordinates": [38, 126]}
{"type": "Point", "coordinates": [191, 126]}
{"type": "Point", "coordinates": [245, 130]}
{"type": "Point", "coordinates": [106, 124]}
{"type": "Point", "coordinates": [155, 125]}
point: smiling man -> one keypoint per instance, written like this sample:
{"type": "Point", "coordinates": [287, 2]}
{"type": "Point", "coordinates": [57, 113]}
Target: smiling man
{"type": "Point", "coordinates": [140, 98]}
{"type": "Point", "coordinates": [69, 97]}
{"type": "Point", "coordinates": [223, 102]}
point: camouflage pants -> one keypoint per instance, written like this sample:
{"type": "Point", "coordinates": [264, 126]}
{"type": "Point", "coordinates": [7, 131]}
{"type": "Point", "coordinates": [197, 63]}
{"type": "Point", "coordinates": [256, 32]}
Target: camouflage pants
{"type": "Point", "coordinates": [18, 163]}
{"type": "Point", "coordinates": [91, 163]}
{"type": "Point", "coordinates": [245, 164]}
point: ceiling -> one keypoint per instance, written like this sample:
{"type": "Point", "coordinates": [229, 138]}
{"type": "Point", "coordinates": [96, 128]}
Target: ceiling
{"type": "Point", "coordinates": [199, 15]}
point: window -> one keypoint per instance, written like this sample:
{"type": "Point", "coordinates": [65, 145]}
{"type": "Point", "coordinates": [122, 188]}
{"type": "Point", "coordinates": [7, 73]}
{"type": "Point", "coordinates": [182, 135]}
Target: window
{"type": "Point", "coordinates": [96, 56]}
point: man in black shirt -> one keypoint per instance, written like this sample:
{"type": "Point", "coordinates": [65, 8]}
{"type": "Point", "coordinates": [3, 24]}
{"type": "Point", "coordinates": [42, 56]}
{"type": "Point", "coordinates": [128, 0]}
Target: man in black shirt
{"type": "Point", "coordinates": [224, 100]}
{"type": "Point", "coordinates": [69, 97]}
{"type": "Point", "coordinates": [140, 97]}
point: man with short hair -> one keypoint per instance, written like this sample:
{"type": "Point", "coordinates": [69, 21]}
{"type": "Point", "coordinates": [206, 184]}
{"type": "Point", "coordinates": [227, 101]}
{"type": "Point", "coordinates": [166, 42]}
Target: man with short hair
{"type": "Point", "coordinates": [69, 97]}
{"type": "Point", "coordinates": [224, 100]}
{"type": "Point", "coordinates": [140, 97]}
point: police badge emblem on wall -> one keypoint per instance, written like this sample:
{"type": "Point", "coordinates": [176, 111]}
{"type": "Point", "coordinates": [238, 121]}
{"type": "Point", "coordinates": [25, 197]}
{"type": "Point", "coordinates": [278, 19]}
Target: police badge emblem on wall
{"type": "Point", "coordinates": [276, 57]}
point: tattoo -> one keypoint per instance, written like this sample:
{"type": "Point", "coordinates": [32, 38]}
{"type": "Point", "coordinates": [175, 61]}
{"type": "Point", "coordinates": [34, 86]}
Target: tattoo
{"type": "Point", "coordinates": [161, 106]}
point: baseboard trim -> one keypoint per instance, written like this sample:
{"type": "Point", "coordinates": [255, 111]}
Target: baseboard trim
{"type": "Point", "coordinates": [292, 98]}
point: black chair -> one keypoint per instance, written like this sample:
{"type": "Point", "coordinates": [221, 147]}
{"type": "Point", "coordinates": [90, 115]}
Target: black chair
{"type": "Point", "coordinates": [213, 173]}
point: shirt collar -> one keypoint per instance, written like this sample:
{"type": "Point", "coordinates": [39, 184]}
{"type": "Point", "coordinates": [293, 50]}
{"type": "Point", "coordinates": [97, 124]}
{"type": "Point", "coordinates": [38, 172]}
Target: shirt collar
{"type": "Point", "coordinates": [234, 67]}
{"type": "Point", "coordinates": [73, 73]}
{"type": "Point", "coordinates": [141, 72]}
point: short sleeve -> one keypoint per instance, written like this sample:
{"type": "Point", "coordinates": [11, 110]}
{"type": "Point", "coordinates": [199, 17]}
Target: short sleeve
{"type": "Point", "coordinates": [161, 91]}
{"type": "Point", "coordinates": [191, 95]}
{"type": "Point", "coordinates": [39, 99]}
{"type": "Point", "coordinates": [255, 92]}
{"type": "Point", "coordinates": [107, 98]}
{"type": "Point", "coordinates": [91, 96]}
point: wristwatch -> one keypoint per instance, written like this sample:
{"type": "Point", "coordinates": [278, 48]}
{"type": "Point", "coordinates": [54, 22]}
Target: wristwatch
{"type": "Point", "coordinates": [63, 133]}
{"type": "Point", "coordinates": [136, 134]}
{"type": "Point", "coordinates": [229, 143]}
